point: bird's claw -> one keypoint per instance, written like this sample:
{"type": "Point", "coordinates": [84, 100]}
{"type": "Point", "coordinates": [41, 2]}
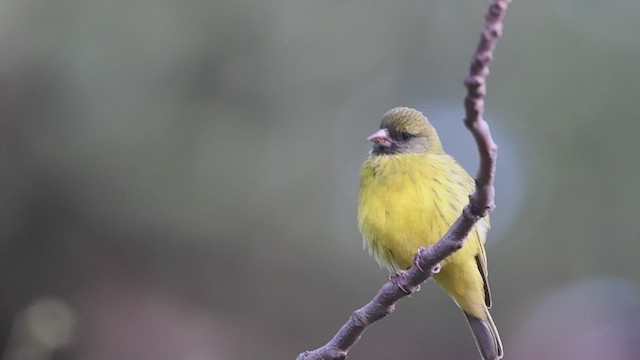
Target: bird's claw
{"type": "Point", "coordinates": [396, 275]}
{"type": "Point", "coordinates": [436, 269]}
{"type": "Point", "coordinates": [395, 278]}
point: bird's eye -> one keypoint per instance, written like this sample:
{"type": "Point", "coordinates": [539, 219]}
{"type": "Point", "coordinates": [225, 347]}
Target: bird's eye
{"type": "Point", "coordinates": [406, 135]}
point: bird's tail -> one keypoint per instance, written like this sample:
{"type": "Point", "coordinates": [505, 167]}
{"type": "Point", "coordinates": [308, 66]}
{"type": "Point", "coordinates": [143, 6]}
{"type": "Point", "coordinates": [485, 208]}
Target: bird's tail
{"type": "Point", "coordinates": [486, 336]}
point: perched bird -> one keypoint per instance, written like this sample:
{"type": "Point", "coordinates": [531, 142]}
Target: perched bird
{"type": "Point", "coordinates": [411, 192]}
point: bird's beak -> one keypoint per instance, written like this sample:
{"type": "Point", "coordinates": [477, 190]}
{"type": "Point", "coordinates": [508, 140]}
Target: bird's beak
{"type": "Point", "coordinates": [381, 137]}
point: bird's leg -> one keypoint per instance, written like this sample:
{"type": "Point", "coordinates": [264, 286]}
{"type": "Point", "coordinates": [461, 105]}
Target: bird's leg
{"type": "Point", "coordinates": [395, 278]}
{"type": "Point", "coordinates": [436, 269]}
{"type": "Point", "coordinates": [396, 275]}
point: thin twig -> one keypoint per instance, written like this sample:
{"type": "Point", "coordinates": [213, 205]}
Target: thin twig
{"type": "Point", "coordinates": [481, 203]}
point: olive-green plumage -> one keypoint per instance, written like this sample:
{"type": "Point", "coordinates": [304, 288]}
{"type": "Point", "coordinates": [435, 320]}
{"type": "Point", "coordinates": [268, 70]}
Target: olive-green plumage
{"type": "Point", "coordinates": [411, 192]}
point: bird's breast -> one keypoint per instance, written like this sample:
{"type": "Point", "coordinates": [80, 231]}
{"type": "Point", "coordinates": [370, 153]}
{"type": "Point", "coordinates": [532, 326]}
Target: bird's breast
{"type": "Point", "coordinates": [407, 201]}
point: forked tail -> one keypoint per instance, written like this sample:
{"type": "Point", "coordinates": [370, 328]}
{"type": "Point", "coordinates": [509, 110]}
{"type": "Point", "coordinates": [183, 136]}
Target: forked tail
{"type": "Point", "coordinates": [486, 336]}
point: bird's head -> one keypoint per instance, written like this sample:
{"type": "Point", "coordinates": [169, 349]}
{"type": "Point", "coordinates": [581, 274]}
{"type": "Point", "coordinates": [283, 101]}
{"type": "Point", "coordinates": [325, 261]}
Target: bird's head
{"type": "Point", "coordinates": [405, 131]}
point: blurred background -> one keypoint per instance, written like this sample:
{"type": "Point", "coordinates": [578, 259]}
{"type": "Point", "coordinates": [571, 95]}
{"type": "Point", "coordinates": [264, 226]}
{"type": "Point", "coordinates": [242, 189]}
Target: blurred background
{"type": "Point", "coordinates": [179, 179]}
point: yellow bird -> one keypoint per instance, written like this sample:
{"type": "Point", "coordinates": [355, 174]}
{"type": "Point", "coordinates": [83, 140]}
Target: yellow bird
{"type": "Point", "coordinates": [411, 192]}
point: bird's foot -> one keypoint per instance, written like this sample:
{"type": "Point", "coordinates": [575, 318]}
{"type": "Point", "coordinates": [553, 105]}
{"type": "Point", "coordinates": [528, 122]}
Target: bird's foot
{"type": "Point", "coordinates": [396, 275]}
{"type": "Point", "coordinates": [436, 269]}
{"type": "Point", "coordinates": [396, 279]}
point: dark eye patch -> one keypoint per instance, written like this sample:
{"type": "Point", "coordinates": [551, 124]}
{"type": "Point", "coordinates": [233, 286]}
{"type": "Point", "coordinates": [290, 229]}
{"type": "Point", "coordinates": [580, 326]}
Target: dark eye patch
{"type": "Point", "coordinates": [405, 135]}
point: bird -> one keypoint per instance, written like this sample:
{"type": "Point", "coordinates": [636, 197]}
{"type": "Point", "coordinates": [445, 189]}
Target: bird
{"type": "Point", "coordinates": [411, 192]}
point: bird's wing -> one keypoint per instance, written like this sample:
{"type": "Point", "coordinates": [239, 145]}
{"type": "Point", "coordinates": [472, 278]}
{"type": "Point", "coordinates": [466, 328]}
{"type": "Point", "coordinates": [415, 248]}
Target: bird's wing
{"type": "Point", "coordinates": [481, 261]}
{"type": "Point", "coordinates": [481, 228]}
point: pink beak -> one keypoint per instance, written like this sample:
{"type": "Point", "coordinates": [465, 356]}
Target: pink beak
{"type": "Point", "coordinates": [381, 137]}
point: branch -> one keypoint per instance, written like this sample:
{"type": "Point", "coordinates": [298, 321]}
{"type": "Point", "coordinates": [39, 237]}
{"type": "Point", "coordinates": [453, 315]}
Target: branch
{"type": "Point", "coordinates": [481, 203]}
